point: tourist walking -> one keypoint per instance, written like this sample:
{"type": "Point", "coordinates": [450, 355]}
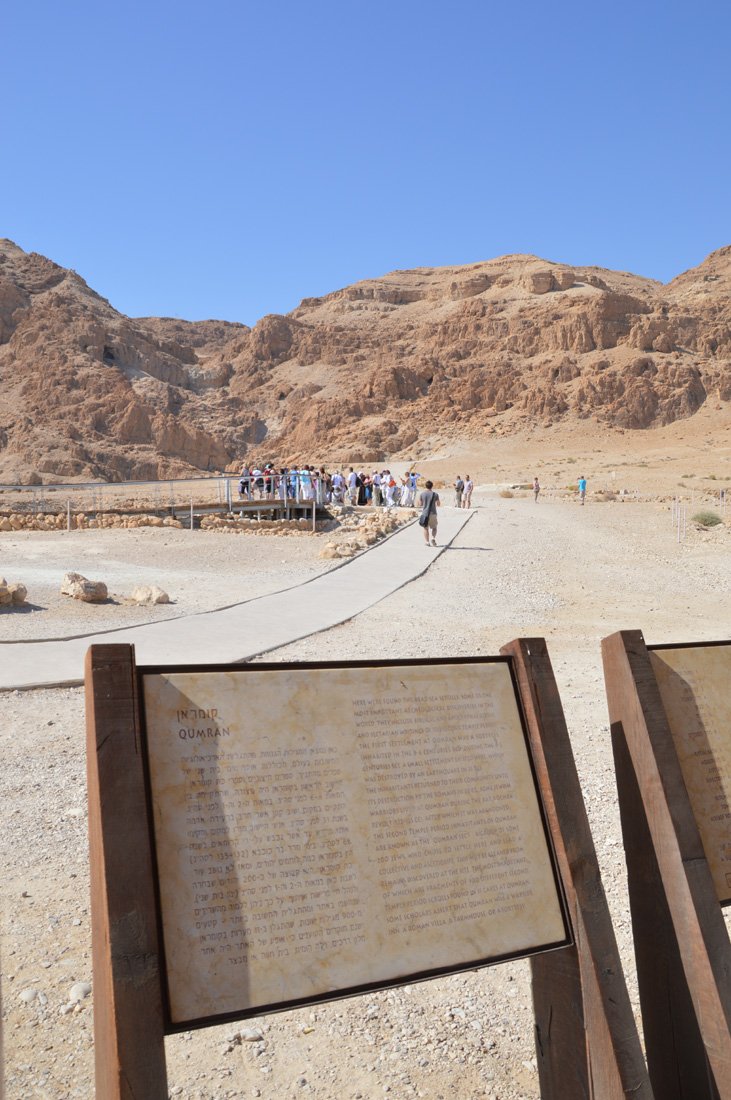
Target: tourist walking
{"type": "Point", "coordinates": [582, 488]}
{"type": "Point", "coordinates": [536, 490]}
{"type": "Point", "coordinates": [429, 502]}
{"type": "Point", "coordinates": [458, 490]}
{"type": "Point", "coordinates": [467, 491]}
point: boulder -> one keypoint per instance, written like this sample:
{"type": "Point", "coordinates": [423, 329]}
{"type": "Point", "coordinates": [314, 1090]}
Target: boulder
{"type": "Point", "coordinates": [539, 282]}
{"type": "Point", "coordinates": [6, 596]}
{"type": "Point", "coordinates": [149, 594]}
{"type": "Point", "coordinates": [18, 592]}
{"type": "Point", "coordinates": [564, 278]}
{"type": "Point", "coordinates": [80, 588]}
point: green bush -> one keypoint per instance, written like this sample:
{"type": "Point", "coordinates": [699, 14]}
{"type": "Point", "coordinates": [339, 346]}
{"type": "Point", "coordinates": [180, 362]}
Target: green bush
{"type": "Point", "coordinates": [707, 519]}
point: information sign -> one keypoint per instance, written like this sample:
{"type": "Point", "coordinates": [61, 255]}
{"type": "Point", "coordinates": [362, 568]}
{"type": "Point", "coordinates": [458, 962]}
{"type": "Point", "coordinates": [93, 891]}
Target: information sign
{"type": "Point", "coordinates": [323, 829]}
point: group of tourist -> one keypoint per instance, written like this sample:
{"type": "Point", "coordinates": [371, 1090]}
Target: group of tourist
{"type": "Point", "coordinates": [306, 482]}
{"type": "Point", "coordinates": [463, 491]}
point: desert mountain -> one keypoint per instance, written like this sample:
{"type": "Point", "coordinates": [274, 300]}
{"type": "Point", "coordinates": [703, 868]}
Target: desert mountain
{"type": "Point", "coordinates": [378, 368]}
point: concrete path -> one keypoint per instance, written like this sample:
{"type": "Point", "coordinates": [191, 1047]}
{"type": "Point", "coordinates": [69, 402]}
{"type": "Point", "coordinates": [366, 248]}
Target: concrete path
{"type": "Point", "coordinates": [247, 629]}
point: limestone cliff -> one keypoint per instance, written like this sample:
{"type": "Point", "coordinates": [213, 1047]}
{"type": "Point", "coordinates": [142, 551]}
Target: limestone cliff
{"type": "Point", "coordinates": [368, 371]}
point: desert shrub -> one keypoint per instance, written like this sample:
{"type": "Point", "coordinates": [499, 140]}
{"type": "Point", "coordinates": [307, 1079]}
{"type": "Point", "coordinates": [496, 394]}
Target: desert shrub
{"type": "Point", "coordinates": [707, 519]}
{"type": "Point", "coordinates": [506, 493]}
{"type": "Point", "coordinates": [605, 494]}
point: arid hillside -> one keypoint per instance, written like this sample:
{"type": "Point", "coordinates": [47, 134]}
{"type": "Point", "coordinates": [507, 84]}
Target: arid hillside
{"type": "Point", "coordinates": [373, 370]}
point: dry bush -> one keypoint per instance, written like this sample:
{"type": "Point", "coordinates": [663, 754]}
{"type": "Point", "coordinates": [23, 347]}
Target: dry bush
{"type": "Point", "coordinates": [507, 494]}
{"type": "Point", "coordinates": [707, 519]}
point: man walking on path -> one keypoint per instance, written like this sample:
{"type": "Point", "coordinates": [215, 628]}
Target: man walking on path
{"type": "Point", "coordinates": [582, 488]}
{"type": "Point", "coordinates": [458, 490]}
{"type": "Point", "coordinates": [429, 502]}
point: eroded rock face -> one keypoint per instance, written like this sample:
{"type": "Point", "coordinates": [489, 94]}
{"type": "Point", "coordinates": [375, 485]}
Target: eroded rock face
{"type": "Point", "coordinates": [368, 370]}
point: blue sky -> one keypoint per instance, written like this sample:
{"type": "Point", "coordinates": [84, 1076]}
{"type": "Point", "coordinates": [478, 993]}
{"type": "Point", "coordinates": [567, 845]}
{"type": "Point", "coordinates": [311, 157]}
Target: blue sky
{"type": "Point", "coordinates": [228, 159]}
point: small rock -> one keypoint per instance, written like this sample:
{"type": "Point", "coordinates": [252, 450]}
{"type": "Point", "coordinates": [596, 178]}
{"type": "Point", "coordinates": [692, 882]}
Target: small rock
{"type": "Point", "coordinates": [28, 995]}
{"type": "Point", "coordinates": [149, 594]}
{"type": "Point", "coordinates": [79, 990]}
{"type": "Point", "coordinates": [251, 1035]}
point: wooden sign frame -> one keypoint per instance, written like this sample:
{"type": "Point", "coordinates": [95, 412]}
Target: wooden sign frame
{"type": "Point", "coordinates": [682, 945]}
{"type": "Point", "coordinates": [586, 1039]}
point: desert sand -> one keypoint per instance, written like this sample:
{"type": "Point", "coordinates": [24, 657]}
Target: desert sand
{"type": "Point", "coordinates": [552, 569]}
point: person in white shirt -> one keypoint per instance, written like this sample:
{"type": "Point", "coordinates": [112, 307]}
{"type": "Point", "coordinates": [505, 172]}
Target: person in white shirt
{"type": "Point", "coordinates": [352, 486]}
{"type": "Point", "coordinates": [338, 488]}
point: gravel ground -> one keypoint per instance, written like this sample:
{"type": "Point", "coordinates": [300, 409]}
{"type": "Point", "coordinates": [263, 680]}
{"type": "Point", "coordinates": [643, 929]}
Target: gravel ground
{"type": "Point", "coordinates": [567, 573]}
{"type": "Point", "coordinates": [199, 572]}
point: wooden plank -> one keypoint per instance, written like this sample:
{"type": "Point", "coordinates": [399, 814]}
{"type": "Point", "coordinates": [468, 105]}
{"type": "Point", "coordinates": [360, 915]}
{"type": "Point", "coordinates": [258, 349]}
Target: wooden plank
{"type": "Point", "coordinates": [128, 1014]}
{"type": "Point", "coordinates": [667, 1009]}
{"type": "Point", "coordinates": [586, 1038]}
{"type": "Point", "coordinates": [681, 942]}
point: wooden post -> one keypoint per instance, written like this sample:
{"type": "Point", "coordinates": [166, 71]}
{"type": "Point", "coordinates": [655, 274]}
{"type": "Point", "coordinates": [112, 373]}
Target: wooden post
{"type": "Point", "coordinates": [681, 943]}
{"type": "Point", "coordinates": [586, 1038]}
{"type": "Point", "coordinates": [129, 1049]}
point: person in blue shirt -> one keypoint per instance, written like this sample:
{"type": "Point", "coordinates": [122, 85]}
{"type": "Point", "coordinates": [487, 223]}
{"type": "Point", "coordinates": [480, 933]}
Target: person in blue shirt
{"type": "Point", "coordinates": [582, 488]}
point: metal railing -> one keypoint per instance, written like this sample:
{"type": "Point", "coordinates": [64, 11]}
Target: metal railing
{"type": "Point", "coordinates": [170, 495]}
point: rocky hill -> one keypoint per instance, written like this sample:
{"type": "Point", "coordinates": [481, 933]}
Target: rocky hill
{"type": "Point", "coordinates": [372, 370]}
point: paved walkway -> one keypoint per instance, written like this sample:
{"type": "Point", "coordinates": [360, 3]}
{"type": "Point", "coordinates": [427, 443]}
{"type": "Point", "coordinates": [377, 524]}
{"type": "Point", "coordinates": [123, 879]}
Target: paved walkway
{"type": "Point", "coordinates": [247, 629]}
